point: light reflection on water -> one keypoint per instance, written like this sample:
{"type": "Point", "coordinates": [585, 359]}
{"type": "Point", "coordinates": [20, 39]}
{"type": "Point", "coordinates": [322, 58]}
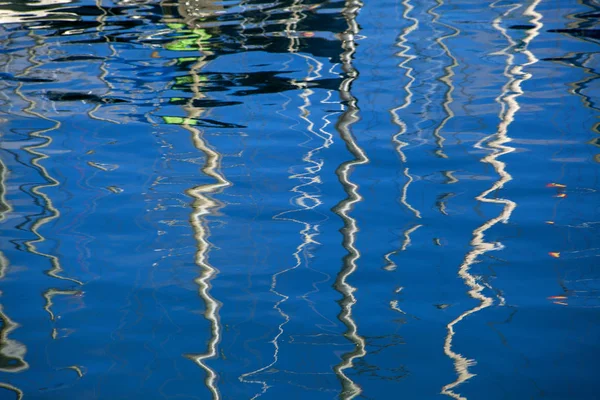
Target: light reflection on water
{"type": "Point", "coordinates": [338, 199]}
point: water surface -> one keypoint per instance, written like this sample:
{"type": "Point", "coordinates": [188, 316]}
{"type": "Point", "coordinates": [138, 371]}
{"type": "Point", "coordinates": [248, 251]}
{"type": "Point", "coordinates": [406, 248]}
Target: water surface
{"type": "Point", "coordinates": [299, 199]}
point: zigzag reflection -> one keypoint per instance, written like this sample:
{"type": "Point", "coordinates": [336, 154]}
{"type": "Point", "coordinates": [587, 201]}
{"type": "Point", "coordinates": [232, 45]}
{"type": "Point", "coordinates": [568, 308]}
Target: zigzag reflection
{"type": "Point", "coordinates": [350, 389]}
{"type": "Point", "coordinates": [12, 352]}
{"type": "Point", "coordinates": [497, 144]}
{"type": "Point", "coordinates": [398, 143]}
{"type": "Point", "coordinates": [204, 204]}
{"type": "Point", "coordinates": [308, 178]}
{"type": "Point", "coordinates": [38, 157]}
{"type": "Point", "coordinates": [447, 79]}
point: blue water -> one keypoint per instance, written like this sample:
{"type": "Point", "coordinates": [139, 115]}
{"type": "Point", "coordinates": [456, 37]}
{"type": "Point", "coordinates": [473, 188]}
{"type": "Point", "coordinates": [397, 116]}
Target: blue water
{"type": "Point", "coordinates": [299, 199]}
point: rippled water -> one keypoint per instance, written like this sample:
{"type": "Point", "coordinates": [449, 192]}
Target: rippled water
{"type": "Point", "coordinates": [299, 199]}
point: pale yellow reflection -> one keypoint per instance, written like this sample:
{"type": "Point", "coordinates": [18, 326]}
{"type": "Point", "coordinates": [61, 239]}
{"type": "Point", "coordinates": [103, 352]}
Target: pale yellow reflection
{"type": "Point", "coordinates": [12, 352]}
{"type": "Point", "coordinates": [203, 205]}
{"type": "Point", "coordinates": [18, 392]}
{"type": "Point", "coordinates": [5, 207]}
{"type": "Point", "coordinates": [41, 10]}
{"type": "Point", "coordinates": [38, 157]}
{"type": "Point", "coordinates": [498, 144]}
{"type": "Point", "coordinates": [406, 241]}
{"type": "Point", "coordinates": [396, 139]}
{"type": "Point", "coordinates": [447, 79]}
{"type": "Point", "coordinates": [405, 65]}
{"type": "Point", "coordinates": [350, 389]}
{"type": "Point", "coordinates": [101, 19]}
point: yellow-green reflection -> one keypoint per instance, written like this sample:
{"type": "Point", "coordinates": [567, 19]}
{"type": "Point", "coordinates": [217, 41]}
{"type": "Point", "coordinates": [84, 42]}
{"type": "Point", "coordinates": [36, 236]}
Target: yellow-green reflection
{"type": "Point", "coordinates": [498, 146]}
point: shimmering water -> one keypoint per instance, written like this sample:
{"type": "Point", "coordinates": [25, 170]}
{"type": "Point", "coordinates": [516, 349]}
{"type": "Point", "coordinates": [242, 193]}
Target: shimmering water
{"type": "Point", "coordinates": [299, 199]}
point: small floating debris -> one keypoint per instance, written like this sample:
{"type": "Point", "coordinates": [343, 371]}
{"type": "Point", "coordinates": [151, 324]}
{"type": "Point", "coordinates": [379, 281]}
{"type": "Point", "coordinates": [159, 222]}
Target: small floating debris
{"type": "Point", "coordinates": [442, 306]}
{"type": "Point", "coordinates": [115, 189]}
{"type": "Point", "coordinates": [79, 370]}
{"type": "Point", "coordinates": [550, 222]}
{"type": "Point", "coordinates": [556, 185]}
{"type": "Point", "coordinates": [390, 267]}
{"type": "Point", "coordinates": [103, 167]}
{"type": "Point", "coordinates": [554, 254]}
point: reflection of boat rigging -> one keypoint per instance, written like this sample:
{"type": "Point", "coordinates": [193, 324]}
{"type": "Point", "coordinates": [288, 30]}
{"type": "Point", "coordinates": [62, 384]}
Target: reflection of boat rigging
{"type": "Point", "coordinates": [497, 145]}
{"type": "Point", "coordinates": [43, 10]}
{"type": "Point", "coordinates": [12, 353]}
{"type": "Point", "coordinates": [302, 196]}
{"type": "Point", "coordinates": [204, 203]}
{"type": "Point", "coordinates": [350, 389]}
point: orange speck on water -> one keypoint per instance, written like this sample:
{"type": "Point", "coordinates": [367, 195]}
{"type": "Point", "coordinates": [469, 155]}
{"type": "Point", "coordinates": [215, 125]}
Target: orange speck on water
{"type": "Point", "coordinates": [550, 222]}
{"type": "Point", "coordinates": [155, 54]}
{"type": "Point", "coordinates": [557, 297]}
{"type": "Point", "coordinates": [561, 195]}
{"type": "Point", "coordinates": [556, 185]}
{"type": "Point", "coordinates": [554, 254]}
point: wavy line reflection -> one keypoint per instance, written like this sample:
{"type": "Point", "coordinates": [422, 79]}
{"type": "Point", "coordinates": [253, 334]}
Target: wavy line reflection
{"type": "Point", "coordinates": [52, 213]}
{"type": "Point", "coordinates": [398, 143]}
{"type": "Point", "coordinates": [5, 208]}
{"type": "Point", "coordinates": [304, 198]}
{"type": "Point", "coordinates": [446, 79]}
{"type": "Point", "coordinates": [402, 39]}
{"type": "Point", "coordinates": [101, 20]}
{"type": "Point", "coordinates": [497, 144]}
{"type": "Point", "coordinates": [12, 352]}
{"type": "Point", "coordinates": [350, 116]}
{"type": "Point", "coordinates": [406, 241]}
{"type": "Point", "coordinates": [38, 157]}
{"type": "Point", "coordinates": [586, 61]}
{"type": "Point", "coordinates": [205, 204]}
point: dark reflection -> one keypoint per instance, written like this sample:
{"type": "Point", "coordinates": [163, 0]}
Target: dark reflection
{"type": "Point", "coordinates": [577, 281]}
{"type": "Point", "coordinates": [586, 61]}
{"type": "Point", "coordinates": [84, 97]}
{"type": "Point", "coordinates": [581, 33]}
